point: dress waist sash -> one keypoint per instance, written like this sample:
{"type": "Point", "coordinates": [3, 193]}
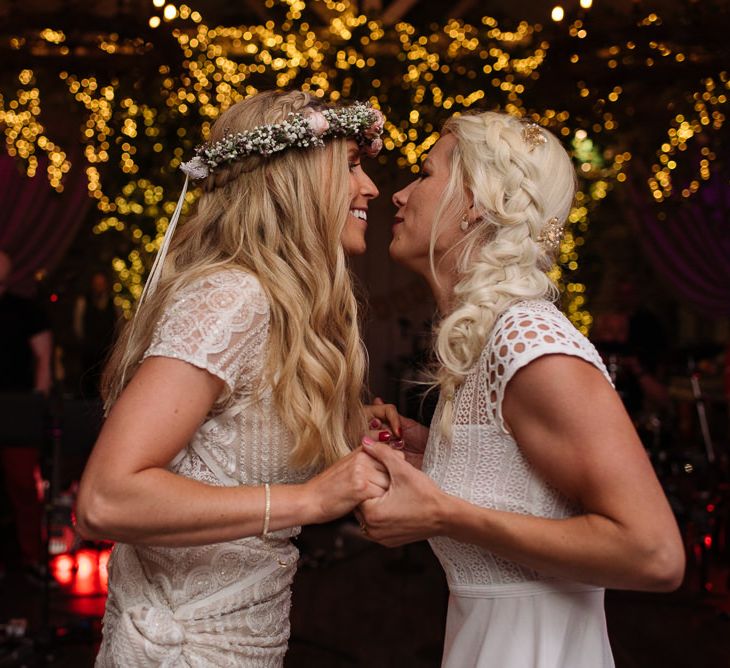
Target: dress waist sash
{"type": "Point", "coordinates": [516, 589]}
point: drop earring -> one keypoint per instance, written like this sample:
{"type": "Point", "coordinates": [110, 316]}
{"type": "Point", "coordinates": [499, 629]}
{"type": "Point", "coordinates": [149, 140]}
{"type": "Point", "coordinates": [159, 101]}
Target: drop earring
{"type": "Point", "coordinates": [464, 224]}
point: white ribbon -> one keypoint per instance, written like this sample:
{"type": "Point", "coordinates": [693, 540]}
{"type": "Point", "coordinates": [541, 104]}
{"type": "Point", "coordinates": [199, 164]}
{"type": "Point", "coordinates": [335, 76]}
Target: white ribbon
{"type": "Point", "coordinates": [156, 272]}
{"type": "Point", "coordinates": [154, 278]}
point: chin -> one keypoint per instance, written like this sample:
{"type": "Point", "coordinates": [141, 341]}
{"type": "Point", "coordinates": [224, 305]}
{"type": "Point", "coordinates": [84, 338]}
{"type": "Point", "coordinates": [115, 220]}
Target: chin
{"type": "Point", "coordinates": [351, 248]}
{"type": "Point", "coordinates": [395, 253]}
{"type": "Point", "coordinates": [354, 244]}
{"type": "Point", "coordinates": [404, 259]}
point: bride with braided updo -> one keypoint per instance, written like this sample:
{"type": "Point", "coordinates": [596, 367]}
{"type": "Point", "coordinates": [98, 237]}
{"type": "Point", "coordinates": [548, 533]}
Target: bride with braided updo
{"type": "Point", "coordinates": [535, 491]}
{"type": "Point", "coordinates": [234, 394]}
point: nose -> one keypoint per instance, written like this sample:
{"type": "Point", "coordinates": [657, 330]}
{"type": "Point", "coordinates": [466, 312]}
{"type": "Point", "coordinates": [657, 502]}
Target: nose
{"type": "Point", "coordinates": [400, 198]}
{"type": "Point", "coordinates": [368, 188]}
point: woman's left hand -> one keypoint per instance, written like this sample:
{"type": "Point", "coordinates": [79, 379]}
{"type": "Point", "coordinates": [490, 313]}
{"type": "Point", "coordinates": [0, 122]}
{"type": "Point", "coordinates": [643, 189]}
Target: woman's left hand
{"type": "Point", "coordinates": [410, 510]}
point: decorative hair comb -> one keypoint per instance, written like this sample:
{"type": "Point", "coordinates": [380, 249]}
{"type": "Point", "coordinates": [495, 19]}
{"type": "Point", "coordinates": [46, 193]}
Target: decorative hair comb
{"type": "Point", "coordinates": [532, 135]}
{"type": "Point", "coordinates": [551, 235]}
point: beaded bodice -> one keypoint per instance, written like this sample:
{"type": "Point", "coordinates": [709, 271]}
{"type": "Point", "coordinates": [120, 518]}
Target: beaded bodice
{"type": "Point", "coordinates": [482, 463]}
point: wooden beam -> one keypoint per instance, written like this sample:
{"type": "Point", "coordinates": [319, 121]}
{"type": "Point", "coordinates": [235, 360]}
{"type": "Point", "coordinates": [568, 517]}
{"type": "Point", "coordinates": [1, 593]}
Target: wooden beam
{"type": "Point", "coordinates": [371, 7]}
{"type": "Point", "coordinates": [397, 10]}
{"type": "Point", "coordinates": [461, 8]}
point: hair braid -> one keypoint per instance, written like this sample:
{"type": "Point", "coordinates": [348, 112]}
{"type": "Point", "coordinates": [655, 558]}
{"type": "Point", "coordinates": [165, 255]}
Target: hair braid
{"type": "Point", "coordinates": [516, 188]}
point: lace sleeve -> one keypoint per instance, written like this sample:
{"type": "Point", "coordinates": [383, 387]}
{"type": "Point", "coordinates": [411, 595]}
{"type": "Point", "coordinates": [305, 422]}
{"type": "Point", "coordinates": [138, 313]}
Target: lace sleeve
{"type": "Point", "coordinates": [218, 323]}
{"type": "Point", "coordinates": [523, 334]}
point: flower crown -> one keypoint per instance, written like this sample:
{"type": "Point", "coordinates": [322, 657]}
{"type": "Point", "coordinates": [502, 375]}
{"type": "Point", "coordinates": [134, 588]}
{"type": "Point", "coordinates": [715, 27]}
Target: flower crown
{"type": "Point", "coordinates": [303, 129]}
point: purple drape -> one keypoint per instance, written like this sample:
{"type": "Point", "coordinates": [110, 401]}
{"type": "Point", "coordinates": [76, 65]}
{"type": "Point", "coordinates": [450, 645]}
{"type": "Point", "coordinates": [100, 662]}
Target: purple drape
{"type": "Point", "coordinates": [36, 223]}
{"type": "Point", "coordinates": [690, 248]}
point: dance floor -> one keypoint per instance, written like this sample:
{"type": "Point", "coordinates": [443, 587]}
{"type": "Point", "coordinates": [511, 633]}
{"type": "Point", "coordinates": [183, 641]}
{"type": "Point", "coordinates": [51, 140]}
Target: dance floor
{"type": "Point", "coordinates": [357, 604]}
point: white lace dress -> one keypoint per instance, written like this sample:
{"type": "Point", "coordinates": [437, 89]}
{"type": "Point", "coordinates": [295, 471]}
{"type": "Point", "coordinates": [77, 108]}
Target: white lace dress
{"type": "Point", "coordinates": [501, 614]}
{"type": "Point", "coordinates": [225, 604]}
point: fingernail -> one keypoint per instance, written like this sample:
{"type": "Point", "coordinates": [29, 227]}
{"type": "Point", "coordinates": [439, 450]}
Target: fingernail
{"type": "Point", "coordinates": [384, 436]}
{"type": "Point", "coordinates": [368, 441]}
{"type": "Point", "coordinates": [397, 445]}
{"type": "Point", "coordinates": [374, 423]}
{"type": "Point", "coordinates": [399, 431]}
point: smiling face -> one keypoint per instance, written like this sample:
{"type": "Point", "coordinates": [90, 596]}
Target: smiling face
{"type": "Point", "coordinates": [362, 190]}
{"type": "Point", "coordinates": [417, 206]}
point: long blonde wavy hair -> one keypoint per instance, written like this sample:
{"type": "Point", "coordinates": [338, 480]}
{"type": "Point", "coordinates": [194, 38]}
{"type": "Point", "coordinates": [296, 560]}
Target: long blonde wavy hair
{"type": "Point", "coordinates": [280, 219]}
{"type": "Point", "coordinates": [516, 189]}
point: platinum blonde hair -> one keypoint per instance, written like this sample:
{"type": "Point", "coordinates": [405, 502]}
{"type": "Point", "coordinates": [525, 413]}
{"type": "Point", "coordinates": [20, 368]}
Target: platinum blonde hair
{"type": "Point", "coordinates": [280, 219]}
{"type": "Point", "coordinates": [516, 187]}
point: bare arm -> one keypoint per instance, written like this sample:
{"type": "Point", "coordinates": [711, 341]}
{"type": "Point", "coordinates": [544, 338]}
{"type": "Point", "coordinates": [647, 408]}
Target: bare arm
{"type": "Point", "coordinates": [42, 346]}
{"type": "Point", "coordinates": [127, 494]}
{"type": "Point", "coordinates": [580, 440]}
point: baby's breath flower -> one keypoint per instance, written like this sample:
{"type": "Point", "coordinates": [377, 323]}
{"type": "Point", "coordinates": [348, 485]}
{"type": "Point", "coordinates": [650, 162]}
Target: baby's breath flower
{"type": "Point", "coordinates": [299, 130]}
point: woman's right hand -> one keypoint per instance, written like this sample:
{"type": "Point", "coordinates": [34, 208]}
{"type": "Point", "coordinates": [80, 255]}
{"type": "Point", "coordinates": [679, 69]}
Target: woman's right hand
{"type": "Point", "coordinates": [344, 485]}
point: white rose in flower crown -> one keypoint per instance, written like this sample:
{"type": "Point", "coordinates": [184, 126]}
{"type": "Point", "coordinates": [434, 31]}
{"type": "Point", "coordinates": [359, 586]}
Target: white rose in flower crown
{"type": "Point", "coordinates": [317, 122]}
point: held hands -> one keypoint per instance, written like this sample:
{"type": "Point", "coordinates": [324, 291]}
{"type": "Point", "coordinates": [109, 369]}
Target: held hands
{"type": "Point", "coordinates": [347, 483]}
{"type": "Point", "coordinates": [410, 509]}
{"type": "Point", "coordinates": [386, 425]}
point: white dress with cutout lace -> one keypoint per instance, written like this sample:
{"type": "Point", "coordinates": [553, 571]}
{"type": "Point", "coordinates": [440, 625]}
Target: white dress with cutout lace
{"type": "Point", "coordinates": [225, 604]}
{"type": "Point", "coordinates": [502, 614]}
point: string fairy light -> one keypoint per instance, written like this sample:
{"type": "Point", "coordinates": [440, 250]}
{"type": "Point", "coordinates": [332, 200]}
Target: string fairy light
{"type": "Point", "coordinates": [133, 144]}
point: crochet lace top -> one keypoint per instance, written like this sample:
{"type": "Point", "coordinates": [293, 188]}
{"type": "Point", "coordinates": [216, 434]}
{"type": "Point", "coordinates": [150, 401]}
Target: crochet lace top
{"type": "Point", "coordinates": [482, 463]}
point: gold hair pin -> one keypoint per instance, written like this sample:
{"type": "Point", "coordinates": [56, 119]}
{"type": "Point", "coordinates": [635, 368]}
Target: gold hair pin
{"type": "Point", "coordinates": [532, 135]}
{"type": "Point", "coordinates": [551, 235]}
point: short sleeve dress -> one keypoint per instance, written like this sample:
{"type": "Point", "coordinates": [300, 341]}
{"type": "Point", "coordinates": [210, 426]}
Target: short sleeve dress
{"type": "Point", "coordinates": [225, 604]}
{"type": "Point", "coordinates": [501, 614]}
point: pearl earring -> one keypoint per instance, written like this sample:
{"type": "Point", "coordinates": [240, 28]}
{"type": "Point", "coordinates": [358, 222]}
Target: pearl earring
{"type": "Point", "coordinates": [464, 224]}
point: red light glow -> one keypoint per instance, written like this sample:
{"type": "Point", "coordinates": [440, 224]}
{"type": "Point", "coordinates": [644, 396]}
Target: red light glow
{"type": "Point", "coordinates": [83, 573]}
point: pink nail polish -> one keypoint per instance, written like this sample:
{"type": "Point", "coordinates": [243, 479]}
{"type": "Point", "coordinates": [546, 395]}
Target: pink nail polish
{"type": "Point", "coordinates": [374, 423]}
{"type": "Point", "coordinates": [384, 436]}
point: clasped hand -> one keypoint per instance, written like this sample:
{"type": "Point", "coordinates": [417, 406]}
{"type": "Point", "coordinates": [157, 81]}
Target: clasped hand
{"type": "Point", "coordinates": [382, 482]}
{"type": "Point", "coordinates": [409, 509]}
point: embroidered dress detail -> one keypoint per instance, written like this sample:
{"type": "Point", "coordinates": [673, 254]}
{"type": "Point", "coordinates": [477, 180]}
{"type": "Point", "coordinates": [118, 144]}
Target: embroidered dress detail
{"type": "Point", "coordinates": [225, 604]}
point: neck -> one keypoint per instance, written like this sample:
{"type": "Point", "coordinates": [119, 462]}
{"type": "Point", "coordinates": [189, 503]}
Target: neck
{"type": "Point", "coordinates": [442, 287]}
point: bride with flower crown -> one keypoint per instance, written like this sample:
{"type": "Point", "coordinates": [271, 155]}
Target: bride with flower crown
{"type": "Point", "coordinates": [233, 395]}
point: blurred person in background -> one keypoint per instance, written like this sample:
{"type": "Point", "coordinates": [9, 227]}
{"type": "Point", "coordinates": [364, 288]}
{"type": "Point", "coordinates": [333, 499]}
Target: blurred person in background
{"type": "Point", "coordinates": [95, 319]}
{"type": "Point", "coordinates": [25, 368]}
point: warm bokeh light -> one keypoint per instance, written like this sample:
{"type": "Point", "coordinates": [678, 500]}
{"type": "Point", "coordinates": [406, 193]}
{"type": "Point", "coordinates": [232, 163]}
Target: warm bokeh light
{"type": "Point", "coordinates": [158, 3]}
{"type": "Point", "coordinates": [586, 4]}
{"type": "Point", "coordinates": [557, 14]}
{"type": "Point", "coordinates": [170, 12]}
{"type": "Point", "coordinates": [133, 142]}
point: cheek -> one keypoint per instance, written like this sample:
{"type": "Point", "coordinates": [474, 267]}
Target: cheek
{"type": "Point", "coordinates": [353, 238]}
